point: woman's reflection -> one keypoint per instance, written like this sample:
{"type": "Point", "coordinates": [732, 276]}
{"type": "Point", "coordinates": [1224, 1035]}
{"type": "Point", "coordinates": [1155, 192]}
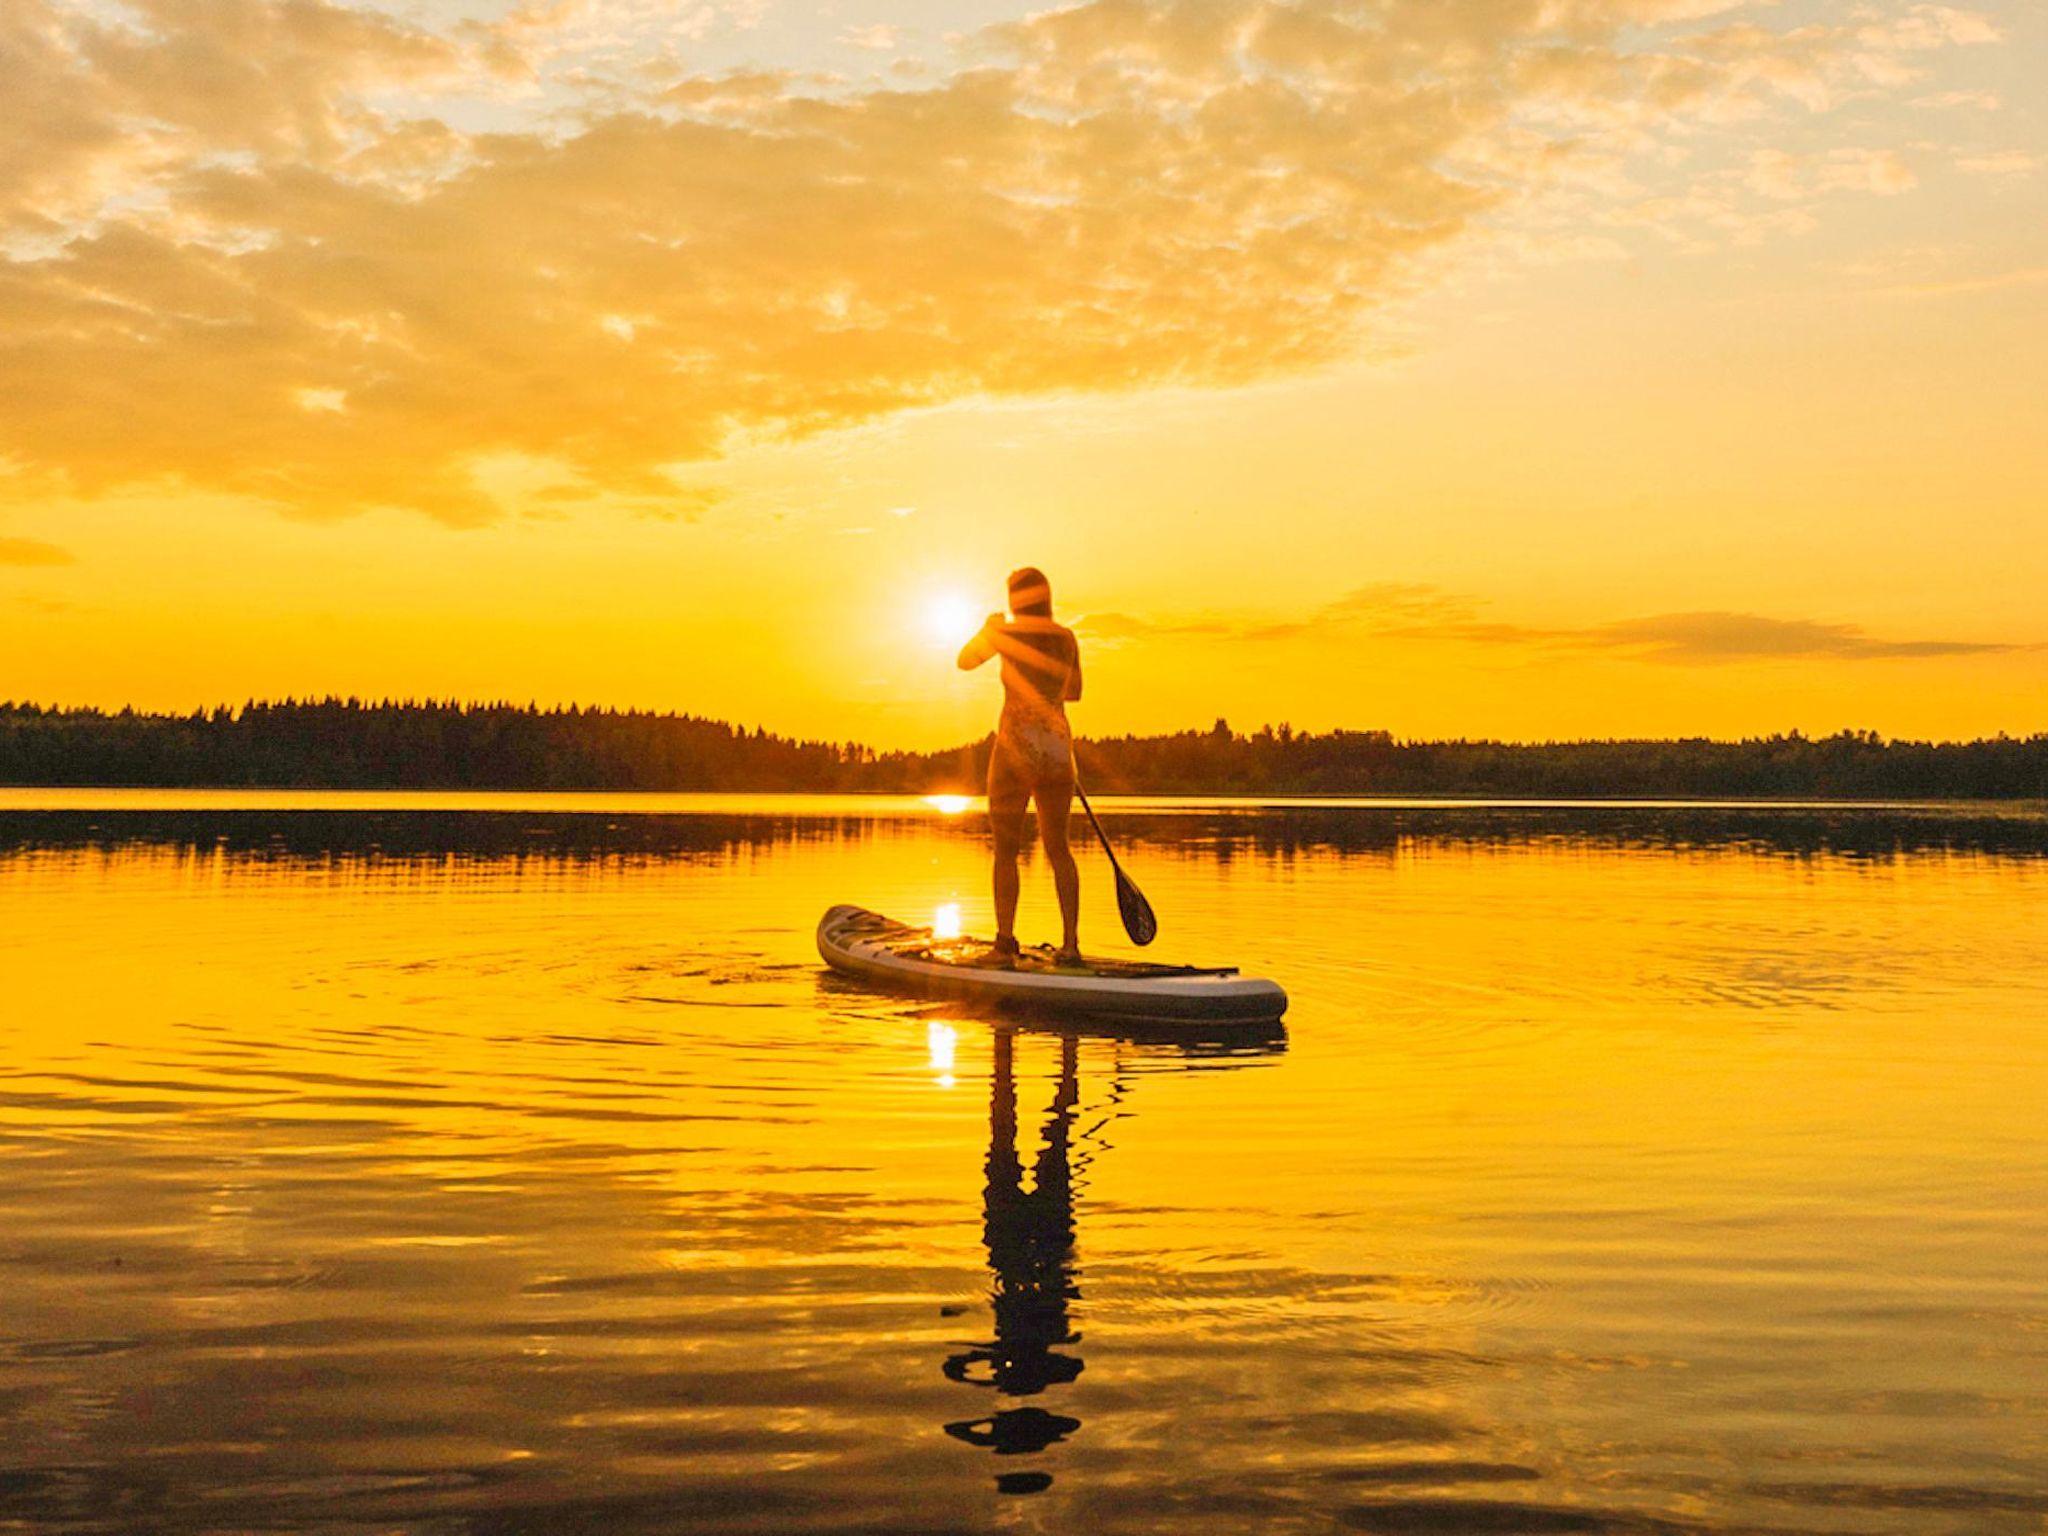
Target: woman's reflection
{"type": "Point", "coordinates": [1030, 1238]}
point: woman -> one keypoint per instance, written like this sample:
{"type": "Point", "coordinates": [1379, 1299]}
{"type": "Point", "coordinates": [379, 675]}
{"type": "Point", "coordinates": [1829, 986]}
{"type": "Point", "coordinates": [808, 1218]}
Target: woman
{"type": "Point", "coordinates": [1034, 751]}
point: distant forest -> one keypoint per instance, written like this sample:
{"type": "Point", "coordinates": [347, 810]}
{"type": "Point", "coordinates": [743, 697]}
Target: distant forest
{"type": "Point", "coordinates": [350, 744]}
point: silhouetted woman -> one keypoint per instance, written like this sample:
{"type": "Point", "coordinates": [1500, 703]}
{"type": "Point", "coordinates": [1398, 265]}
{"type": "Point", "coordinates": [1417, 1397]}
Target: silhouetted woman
{"type": "Point", "coordinates": [1034, 751]}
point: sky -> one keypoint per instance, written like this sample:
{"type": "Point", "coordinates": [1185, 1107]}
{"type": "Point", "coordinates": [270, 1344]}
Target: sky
{"type": "Point", "coordinates": [1517, 368]}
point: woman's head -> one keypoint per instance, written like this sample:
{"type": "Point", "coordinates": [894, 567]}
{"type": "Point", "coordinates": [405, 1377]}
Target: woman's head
{"type": "Point", "coordinates": [1030, 593]}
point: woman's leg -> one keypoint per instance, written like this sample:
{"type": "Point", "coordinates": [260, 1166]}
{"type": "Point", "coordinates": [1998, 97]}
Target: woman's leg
{"type": "Point", "coordinates": [1055, 801]}
{"type": "Point", "coordinates": [1008, 797]}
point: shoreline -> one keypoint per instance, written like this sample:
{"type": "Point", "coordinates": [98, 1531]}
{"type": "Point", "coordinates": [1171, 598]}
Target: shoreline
{"type": "Point", "coordinates": [944, 803]}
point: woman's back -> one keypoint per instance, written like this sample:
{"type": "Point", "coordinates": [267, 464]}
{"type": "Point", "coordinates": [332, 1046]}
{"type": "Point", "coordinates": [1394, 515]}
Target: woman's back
{"type": "Point", "coordinates": [1041, 659]}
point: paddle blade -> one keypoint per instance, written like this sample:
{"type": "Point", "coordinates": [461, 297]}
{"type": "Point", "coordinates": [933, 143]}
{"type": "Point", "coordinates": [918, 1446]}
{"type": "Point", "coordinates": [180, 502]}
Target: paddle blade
{"type": "Point", "coordinates": [1139, 922]}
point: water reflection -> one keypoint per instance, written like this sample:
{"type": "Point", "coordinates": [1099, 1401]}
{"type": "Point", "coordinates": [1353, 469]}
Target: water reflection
{"type": "Point", "coordinates": [728, 825]}
{"type": "Point", "coordinates": [1030, 1238]}
{"type": "Point", "coordinates": [1029, 1232]}
{"type": "Point", "coordinates": [525, 1172]}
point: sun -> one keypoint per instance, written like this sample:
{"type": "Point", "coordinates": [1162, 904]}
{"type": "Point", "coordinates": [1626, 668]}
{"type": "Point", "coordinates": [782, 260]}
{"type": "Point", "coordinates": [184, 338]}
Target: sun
{"type": "Point", "coordinates": [949, 618]}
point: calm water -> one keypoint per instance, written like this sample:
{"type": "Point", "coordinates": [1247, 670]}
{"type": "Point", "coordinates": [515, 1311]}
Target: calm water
{"type": "Point", "coordinates": [511, 1165]}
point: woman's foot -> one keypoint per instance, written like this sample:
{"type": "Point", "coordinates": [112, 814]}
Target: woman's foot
{"type": "Point", "coordinates": [1004, 949]}
{"type": "Point", "coordinates": [1067, 956]}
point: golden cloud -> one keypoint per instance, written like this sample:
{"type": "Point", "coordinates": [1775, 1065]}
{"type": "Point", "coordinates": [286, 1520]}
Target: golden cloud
{"type": "Point", "coordinates": [33, 552]}
{"type": "Point", "coordinates": [238, 264]}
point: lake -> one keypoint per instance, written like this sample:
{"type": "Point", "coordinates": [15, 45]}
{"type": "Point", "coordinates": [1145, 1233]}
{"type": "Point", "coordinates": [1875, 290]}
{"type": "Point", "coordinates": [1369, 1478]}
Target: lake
{"type": "Point", "coordinates": [509, 1164]}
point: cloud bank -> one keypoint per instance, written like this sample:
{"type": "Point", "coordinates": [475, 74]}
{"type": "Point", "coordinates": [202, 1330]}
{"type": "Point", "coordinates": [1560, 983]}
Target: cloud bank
{"type": "Point", "coordinates": [324, 256]}
{"type": "Point", "coordinates": [1413, 611]}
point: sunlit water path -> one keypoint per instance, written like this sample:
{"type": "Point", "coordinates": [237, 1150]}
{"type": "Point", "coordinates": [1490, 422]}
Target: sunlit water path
{"type": "Point", "coordinates": [510, 1165]}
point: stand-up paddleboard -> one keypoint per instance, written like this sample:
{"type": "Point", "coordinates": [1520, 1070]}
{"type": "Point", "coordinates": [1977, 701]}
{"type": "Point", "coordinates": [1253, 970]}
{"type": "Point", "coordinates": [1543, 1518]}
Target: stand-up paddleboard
{"type": "Point", "coordinates": [861, 943]}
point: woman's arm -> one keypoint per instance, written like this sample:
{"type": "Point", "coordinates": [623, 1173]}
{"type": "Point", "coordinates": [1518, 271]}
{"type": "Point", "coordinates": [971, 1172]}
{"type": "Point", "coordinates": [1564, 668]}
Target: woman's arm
{"type": "Point", "coordinates": [983, 645]}
{"type": "Point", "coordinates": [1074, 670]}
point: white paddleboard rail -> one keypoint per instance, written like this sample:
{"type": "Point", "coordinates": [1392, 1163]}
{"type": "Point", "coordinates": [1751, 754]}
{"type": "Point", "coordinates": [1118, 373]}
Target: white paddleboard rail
{"type": "Point", "coordinates": [878, 949]}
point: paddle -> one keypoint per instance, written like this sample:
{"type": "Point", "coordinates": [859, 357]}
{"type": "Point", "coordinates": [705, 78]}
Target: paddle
{"type": "Point", "coordinates": [1139, 922]}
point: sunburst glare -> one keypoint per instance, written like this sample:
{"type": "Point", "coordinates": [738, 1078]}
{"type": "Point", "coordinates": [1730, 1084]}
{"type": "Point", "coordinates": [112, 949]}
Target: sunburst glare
{"type": "Point", "coordinates": [949, 619]}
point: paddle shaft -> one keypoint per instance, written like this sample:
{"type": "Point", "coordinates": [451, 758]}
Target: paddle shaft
{"type": "Point", "coordinates": [1099, 833]}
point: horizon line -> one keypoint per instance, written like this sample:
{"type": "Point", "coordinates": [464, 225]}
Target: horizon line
{"type": "Point", "coordinates": [533, 706]}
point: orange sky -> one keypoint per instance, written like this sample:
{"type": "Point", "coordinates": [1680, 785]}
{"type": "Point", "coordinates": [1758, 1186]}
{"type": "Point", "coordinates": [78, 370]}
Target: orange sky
{"type": "Point", "coordinates": [1518, 367]}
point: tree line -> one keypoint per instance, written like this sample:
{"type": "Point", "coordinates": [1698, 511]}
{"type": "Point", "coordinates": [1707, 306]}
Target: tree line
{"type": "Point", "coordinates": [392, 744]}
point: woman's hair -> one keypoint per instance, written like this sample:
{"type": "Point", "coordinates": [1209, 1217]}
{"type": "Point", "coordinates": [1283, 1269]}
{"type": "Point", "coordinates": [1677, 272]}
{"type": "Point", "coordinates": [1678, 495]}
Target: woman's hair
{"type": "Point", "coordinates": [1030, 593]}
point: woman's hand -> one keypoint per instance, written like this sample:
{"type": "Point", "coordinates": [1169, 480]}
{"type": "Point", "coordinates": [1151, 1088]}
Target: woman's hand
{"type": "Point", "coordinates": [993, 621]}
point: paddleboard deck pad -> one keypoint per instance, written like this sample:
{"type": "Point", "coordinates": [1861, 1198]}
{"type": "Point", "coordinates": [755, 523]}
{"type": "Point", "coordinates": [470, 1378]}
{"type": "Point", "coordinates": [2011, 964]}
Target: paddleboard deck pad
{"type": "Point", "coordinates": [878, 949]}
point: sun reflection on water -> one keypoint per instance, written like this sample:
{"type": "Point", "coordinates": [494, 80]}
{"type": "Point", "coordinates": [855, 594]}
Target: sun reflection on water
{"type": "Point", "coordinates": [942, 1044]}
{"type": "Point", "coordinates": [946, 921]}
{"type": "Point", "coordinates": [949, 805]}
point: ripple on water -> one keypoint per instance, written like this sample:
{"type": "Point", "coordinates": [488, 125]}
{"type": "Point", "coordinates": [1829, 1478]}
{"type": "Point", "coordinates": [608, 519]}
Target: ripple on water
{"type": "Point", "coordinates": [73, 1349]}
